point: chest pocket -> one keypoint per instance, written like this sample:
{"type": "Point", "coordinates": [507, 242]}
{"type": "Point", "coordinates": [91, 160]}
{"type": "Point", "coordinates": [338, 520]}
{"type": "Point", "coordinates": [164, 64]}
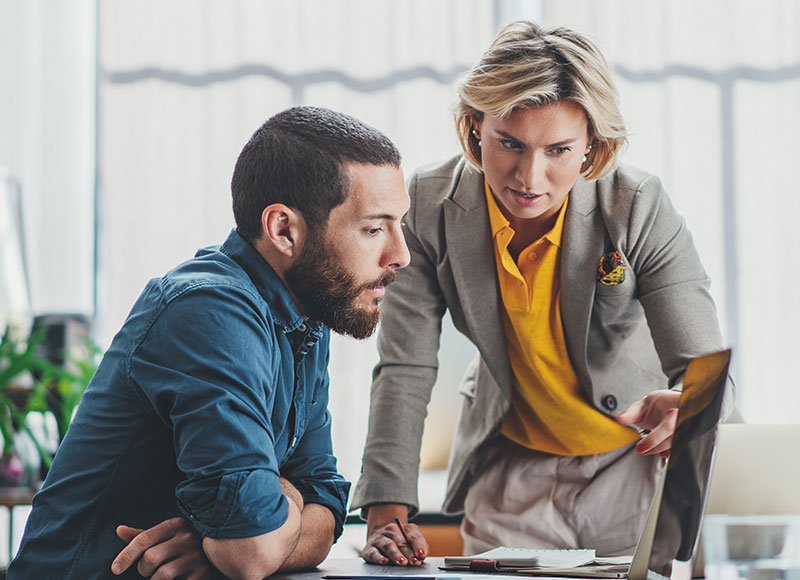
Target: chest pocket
{"type": "Point", "coordinates": [621, 279]}
{"type": "Point", "coordinates": [626, 289]}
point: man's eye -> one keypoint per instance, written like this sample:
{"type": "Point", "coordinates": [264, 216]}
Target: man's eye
{"type": "Point", "coordinates": [372, 231]}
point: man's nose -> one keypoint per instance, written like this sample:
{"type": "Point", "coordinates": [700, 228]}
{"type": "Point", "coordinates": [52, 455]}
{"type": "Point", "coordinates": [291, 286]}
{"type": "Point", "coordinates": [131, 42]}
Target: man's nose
{"type": "Point", "coordinates": [397, 254]}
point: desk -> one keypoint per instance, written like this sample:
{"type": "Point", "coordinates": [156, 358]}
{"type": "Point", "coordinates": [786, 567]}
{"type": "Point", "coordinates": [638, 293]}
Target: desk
{"type": "Point", "coordinates": [357, 567]}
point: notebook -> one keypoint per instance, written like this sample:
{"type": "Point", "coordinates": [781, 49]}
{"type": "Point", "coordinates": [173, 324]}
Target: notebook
{"type": "Point", "coordinates": [510, 559]}
{"type": "Point", "coordinates": [668, 540]}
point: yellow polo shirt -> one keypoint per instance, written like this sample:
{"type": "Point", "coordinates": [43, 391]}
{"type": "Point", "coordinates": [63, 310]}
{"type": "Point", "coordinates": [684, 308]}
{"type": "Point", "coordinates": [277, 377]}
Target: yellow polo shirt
{"type": "Point", "coordinates": [549, 411]}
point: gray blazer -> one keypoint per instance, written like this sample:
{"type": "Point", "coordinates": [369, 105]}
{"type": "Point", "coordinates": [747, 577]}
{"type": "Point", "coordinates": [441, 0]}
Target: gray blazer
{"type": "Point", "coordinates": [623, 341]}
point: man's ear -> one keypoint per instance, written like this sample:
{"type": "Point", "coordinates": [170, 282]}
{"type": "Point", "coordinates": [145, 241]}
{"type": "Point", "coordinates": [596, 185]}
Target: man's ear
{"type": "Point", "coordinates": [284, 228]}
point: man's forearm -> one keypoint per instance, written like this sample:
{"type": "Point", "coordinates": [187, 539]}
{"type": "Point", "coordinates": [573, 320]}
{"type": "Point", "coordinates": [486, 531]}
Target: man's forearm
{"type": "Point", "coordinates": [317, 526]}
{"type": "Point", "coordinates": [312, 526]}
{"type": "Point", "coordinates": [259, 556]}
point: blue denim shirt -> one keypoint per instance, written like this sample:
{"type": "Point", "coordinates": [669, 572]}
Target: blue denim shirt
{"type": "Point", "coordinates": [214, 387]}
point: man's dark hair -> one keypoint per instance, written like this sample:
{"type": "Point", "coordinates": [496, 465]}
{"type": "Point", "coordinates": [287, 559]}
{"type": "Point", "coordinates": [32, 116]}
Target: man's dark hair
{"type": "Point", "coordinates": [297, 158]}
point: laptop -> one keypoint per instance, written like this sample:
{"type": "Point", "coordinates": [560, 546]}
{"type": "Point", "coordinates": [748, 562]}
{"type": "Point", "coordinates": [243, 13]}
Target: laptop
{"type": "Point", "coordinates": [668, 540]}
{"type": "Point", "coordinates": [754, 473]}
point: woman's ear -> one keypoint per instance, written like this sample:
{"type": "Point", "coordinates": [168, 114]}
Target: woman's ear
{"type": "Point", "coordinates": [476, 128]}
{"type": "Point", "coordinates": [284, 228]}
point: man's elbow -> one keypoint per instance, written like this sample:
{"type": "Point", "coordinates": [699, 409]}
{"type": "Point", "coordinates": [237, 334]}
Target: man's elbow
{"type": "Point", "coordinates": [316, 538]}
{"type": "Point", "coordinates": [256, 557]}
{"type": "Point", "coordinates": [322, 553]}
{"type": "Point", "coordinates": [311, 558]}
{"type": "Point", "coordinates": [246, 558]}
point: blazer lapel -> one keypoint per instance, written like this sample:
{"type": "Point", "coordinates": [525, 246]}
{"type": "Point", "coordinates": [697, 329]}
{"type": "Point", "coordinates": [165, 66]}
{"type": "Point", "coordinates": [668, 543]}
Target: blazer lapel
{"type": "Point", "coordinates": [582, 247]}
{"type": "Point", "coordinates": [469, 243]}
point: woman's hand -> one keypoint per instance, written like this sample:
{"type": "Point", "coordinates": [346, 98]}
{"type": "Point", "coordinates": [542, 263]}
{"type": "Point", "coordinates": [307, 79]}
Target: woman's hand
{"type": "Point", "coordinates": [385, 542]}
{"type": "Point", "coordinates": [657, 413]}
{"type": "Point", "coordinates": [171, 549]}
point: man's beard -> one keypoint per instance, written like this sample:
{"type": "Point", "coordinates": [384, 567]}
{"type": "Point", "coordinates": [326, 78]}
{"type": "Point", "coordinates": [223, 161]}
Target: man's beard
{"type": "Point", "coordinates": [328, 292]}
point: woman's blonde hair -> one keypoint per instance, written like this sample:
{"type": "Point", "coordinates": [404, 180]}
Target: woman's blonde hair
{"type": "Point", "coordinates": [531, 66]}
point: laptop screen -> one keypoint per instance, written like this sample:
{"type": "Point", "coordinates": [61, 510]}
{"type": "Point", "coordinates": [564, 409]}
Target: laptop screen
{"type": "Point", "coordinates": [688, 469]}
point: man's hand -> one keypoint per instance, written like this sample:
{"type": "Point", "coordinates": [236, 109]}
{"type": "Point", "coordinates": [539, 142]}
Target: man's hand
{"type": "Point", "coordinates": [385, 542]}
{"type": "Point", "coordinates": [658, 413]}
{"type": "Point", "coordinates": [171, 549]}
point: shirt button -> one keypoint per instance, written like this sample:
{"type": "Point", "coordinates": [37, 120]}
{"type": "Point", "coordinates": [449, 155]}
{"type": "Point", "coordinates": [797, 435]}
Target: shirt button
{"type": "Point", "coordinates": [610, 402]}
{"type": "Point", "coordinates": [532, 256]}
{"type": "Point", "coordinates": [302, 327]}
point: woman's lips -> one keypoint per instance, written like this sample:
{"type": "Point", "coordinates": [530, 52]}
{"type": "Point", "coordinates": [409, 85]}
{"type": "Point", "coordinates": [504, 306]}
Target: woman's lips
{"type": "Point", "coordinates": [525, 197]}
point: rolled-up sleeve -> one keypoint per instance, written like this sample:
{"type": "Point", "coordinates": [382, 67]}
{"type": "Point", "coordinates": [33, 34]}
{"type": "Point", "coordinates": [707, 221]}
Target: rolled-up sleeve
{"type": "Point", "coordinates": [209, 368]}
{"type": "Point", "coordinates": [312, 467]}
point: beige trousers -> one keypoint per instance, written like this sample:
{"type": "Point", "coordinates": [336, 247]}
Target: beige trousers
{"type": "Point", "coordinates": [526, 498]}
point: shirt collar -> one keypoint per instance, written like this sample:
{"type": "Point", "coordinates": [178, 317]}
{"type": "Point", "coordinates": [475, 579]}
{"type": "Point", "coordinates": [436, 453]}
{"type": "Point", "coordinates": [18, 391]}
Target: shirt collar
{"type": "Point", "coordinates": [283, 309]}
{"type": "Point", "coordinates": [499, 222]}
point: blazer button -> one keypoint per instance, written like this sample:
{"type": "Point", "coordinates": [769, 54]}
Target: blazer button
{"type": "Point", "coordinates": [610, 402]}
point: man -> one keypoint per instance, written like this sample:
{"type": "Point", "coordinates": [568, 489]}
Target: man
{"type": "Point", "coordinates": [211, 402]}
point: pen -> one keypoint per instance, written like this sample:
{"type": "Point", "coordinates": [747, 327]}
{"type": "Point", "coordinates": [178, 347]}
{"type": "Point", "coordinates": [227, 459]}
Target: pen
{"type": "Point", "coordinates": [403, 531]}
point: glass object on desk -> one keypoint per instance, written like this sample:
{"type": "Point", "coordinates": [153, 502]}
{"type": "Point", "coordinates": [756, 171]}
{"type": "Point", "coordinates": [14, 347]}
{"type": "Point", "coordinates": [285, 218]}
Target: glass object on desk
{"type": "Point", "coordinates": [752, 547]}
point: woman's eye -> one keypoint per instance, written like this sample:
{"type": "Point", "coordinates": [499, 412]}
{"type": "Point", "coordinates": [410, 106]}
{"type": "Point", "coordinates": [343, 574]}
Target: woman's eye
{"type": "Point", "coordinates": [372, 231]}
{"type": "Point", "coordinates": [510, 144]}
{"type": "Point", "coordinates": [561, 150]}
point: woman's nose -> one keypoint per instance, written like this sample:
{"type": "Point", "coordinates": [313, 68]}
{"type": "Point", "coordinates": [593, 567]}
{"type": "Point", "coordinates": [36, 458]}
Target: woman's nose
{"type": "Point", "coordinates": [530, 170]}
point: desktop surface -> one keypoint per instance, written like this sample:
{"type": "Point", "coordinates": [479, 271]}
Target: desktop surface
{"type": "Point", "coordinates": [357, 567]}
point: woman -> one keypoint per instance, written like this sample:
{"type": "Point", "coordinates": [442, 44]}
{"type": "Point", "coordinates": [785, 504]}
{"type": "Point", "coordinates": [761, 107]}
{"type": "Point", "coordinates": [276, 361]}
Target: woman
{"type": "Point", "coordinates": [582, 290]}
